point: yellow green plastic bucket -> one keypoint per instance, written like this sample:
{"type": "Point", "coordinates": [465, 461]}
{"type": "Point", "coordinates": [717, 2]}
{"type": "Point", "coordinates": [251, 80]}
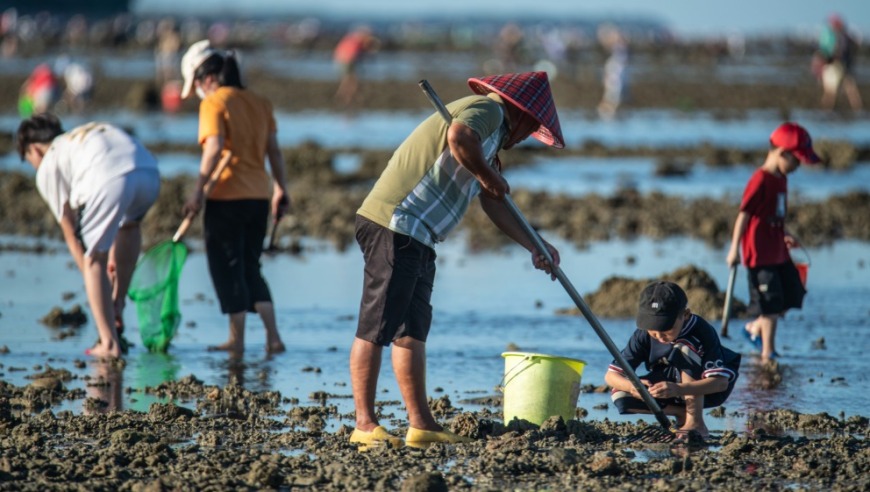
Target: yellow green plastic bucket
{"type": "Point", "coordinates": [538, 386]}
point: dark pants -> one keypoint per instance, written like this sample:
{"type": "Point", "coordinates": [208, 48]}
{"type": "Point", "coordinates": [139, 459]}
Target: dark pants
{"type": "Point", "coordinates": [625, 403]}
{"type": "Point", "coordinates": [234, 233]}
{"type": "Point", "coordinates": [397, 285]}
{"type": "Point", "coordinates": [775, 289]}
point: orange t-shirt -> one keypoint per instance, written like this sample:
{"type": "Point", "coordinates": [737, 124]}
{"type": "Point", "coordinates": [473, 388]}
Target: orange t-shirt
{"type": "Point", "coordinates": [351, 47]}
{"type": "Point", "coordinates": [245, 121]}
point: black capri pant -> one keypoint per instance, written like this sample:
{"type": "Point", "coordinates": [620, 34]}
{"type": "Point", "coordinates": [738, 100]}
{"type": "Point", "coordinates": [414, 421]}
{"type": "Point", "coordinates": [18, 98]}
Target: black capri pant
{"type": "Point", "coordinates": [234, 234]}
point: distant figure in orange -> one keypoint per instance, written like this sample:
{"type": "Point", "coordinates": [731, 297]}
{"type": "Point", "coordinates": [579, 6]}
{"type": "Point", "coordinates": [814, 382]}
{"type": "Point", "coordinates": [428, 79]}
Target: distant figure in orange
{"type": "Point", "coordinates": [348, 54]}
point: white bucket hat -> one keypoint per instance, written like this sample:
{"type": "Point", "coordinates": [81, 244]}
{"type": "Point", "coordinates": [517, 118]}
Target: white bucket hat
{"type": "Point", "coordinates": [196, 54]}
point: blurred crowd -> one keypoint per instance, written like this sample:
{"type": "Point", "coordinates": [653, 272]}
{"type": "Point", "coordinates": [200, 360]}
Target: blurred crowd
{"type": "Point", "coordinates": [561, 48]}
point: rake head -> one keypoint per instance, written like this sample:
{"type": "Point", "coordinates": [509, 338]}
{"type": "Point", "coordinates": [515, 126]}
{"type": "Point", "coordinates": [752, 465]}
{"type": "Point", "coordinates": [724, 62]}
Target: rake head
{"type": "Point", "coordinates": [653, 434]}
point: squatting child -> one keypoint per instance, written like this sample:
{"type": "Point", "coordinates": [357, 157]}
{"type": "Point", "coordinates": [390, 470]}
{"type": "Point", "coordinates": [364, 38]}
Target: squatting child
{"type": "Point", "coordinates": [688, 368]}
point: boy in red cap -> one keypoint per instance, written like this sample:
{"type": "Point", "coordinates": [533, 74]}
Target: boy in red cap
{"type": "Point", "coordinates": [421, 196]}
{"type": "Point", "coordinates": [774, 282]}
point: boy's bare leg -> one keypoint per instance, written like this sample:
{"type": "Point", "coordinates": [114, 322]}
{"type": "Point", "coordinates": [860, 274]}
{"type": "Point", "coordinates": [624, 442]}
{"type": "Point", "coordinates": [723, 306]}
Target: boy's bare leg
{"type": "Point", "coordinates": [694, 412]}
{"type": "Point", "coordinates": [365, 365]}
{"type": "Point", "coordinates": [235, 344]}
{"type": "Point", "coordinates": [266, 310]}
{"type": "Point", "coordinates": [766, 325]}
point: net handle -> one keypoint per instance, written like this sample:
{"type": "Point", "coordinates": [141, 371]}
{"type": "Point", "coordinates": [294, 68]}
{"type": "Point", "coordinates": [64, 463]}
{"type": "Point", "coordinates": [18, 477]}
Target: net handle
{"type": "Point", "coordinates": [212, 180]}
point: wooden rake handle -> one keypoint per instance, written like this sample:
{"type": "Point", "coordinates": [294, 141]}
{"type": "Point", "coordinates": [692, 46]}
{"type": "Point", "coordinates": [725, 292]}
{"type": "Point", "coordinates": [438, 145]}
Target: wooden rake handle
{"type": "Point", "coordinates": [212, 180]}
{"type": "Point", "coordinates": [729, 297]}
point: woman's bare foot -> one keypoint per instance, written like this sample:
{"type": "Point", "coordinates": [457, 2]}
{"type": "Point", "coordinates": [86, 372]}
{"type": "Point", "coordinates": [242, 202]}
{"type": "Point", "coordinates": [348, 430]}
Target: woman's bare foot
{"type": "Point", "coordinates": [229, 346]}
{"type": "Point", "coordinates": [275, 347]}
{"type": "Point", "coordinates": [100, 351]}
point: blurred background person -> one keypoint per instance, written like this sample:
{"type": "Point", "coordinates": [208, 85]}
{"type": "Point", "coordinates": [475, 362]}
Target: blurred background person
{"type": "Point", "coordinates": [838, 50]}
{"type": "Point", "coordinates": [8, 33]}
{"type": "Point", "coordinates": [166, 49]}
{"type": "Point", "coordinates": [39, 93]}
{"type": "Point", "coordinates": [348, 54]}
{"type": "Point", "coordinates": [508, 49]}
{"type": "Point", "coordinates": [78, 84]}
{"type": "Point", "coordinates": [614, 78]}
{"type": "Point", "coordinates": [167, 46]}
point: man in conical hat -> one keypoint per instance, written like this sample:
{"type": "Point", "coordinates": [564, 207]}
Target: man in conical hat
{"type": "Point", "coordinates": [421, 196]}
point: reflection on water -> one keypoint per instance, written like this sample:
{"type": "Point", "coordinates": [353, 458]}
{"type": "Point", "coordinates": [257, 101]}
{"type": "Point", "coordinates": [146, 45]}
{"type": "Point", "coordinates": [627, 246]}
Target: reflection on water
{"type": "Point", "coordinates": [104, 387]}
{"type": "Point", "coordinates": [578, 176]}
{"type": "Point", "coordinates": [153, 369]}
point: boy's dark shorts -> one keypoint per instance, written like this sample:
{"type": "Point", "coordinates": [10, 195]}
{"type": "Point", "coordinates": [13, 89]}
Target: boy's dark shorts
{"type": "Point", "coordinates": [625, 403]}
{"type": "Point", "coordinates": [775, 289]}
{"type": "Point", "coordinates": [397, 285]}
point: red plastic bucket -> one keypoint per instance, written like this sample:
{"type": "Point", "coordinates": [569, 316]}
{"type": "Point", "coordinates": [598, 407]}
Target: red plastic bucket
{"type": "Point", "coordinates": [803, 265]}
{"type": "Point", "coordinates": [803, 269]}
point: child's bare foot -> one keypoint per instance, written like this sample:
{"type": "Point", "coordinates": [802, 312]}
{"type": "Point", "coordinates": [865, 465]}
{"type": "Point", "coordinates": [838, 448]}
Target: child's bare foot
{"type": "Point", "coordinates": [752, 329]}
{"type": "Point", "coordinates": [688, 433]}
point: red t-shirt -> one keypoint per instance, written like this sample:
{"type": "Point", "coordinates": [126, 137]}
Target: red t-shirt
{"type": "Point", "coordinates": [765, 200]}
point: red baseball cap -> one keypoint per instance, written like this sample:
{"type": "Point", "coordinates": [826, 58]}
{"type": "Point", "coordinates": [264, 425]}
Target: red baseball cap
{"type": "Point", "coordinates": [794, 138]}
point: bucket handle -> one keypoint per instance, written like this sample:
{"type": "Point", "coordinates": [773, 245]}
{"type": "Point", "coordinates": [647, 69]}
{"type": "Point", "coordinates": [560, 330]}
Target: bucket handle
{"type": "Point", "coordinates": [501, 384]}
{"type": "Point", "coordinates": [803, 251]}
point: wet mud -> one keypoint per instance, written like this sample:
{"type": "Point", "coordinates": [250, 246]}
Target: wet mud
{"type": "Point", "coordinates": [617, 296]}
{"type": "Point", "coordinates": [324, 205]}
{"type": "Point", "coordinates": [227, 437]}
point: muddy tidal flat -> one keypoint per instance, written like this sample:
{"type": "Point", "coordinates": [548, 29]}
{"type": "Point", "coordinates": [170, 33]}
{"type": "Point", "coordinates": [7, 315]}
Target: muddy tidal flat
{"type": "Point", "coordinates": [656, 199]}
{"type": "Point", "coordinates": [221, 438]}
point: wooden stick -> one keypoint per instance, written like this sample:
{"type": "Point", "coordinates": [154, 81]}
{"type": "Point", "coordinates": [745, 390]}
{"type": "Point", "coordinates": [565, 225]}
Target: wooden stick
{"type": "Point", "coordinates": [212, 180]}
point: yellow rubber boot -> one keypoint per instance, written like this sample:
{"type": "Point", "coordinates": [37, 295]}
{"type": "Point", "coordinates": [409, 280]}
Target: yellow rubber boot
{"type": "Point", "coordinates": [376, 437]}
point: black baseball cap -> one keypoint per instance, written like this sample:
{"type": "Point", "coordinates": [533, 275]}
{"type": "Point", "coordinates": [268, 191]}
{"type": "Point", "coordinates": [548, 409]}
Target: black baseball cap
{"type": "Point", "coordinates": [660, 304]}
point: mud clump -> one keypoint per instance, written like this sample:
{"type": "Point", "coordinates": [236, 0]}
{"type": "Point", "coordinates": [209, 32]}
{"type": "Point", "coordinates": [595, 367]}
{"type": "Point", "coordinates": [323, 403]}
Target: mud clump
{"type": "Point", "coordinates": [324, 207]}
{"type": "Point", "coordinates": [425, 482]}
{"type": "Point", "coordinates": [57, 317]}
{"type": "Point", "coordinates": [617, 297]}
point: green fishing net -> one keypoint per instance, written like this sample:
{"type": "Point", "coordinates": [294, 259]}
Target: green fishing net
{"type": "Point", "coordinates": [154, 289]}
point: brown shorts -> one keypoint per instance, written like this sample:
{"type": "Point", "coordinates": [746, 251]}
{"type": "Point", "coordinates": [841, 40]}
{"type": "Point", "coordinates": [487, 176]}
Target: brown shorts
{"type": "Point", "coordinates": [397, 285]}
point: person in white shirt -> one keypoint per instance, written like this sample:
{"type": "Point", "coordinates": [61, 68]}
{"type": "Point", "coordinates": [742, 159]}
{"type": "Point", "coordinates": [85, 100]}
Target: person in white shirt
{"type": "Point", "coordinates": [98, 182]}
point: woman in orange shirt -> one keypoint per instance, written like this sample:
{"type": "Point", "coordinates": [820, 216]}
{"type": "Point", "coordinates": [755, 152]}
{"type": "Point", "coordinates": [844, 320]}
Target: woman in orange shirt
{"type": "Point", "coordinates": [233, 119]}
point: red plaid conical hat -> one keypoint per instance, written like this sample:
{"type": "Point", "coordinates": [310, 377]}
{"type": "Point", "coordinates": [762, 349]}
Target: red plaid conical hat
{"type": "Point", "coordinates": [529, 91]}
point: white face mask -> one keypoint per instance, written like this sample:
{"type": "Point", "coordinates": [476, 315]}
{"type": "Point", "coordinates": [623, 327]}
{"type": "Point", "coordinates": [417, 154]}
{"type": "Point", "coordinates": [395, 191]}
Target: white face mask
{"type": "Point", "coordinates": [200, 93]}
